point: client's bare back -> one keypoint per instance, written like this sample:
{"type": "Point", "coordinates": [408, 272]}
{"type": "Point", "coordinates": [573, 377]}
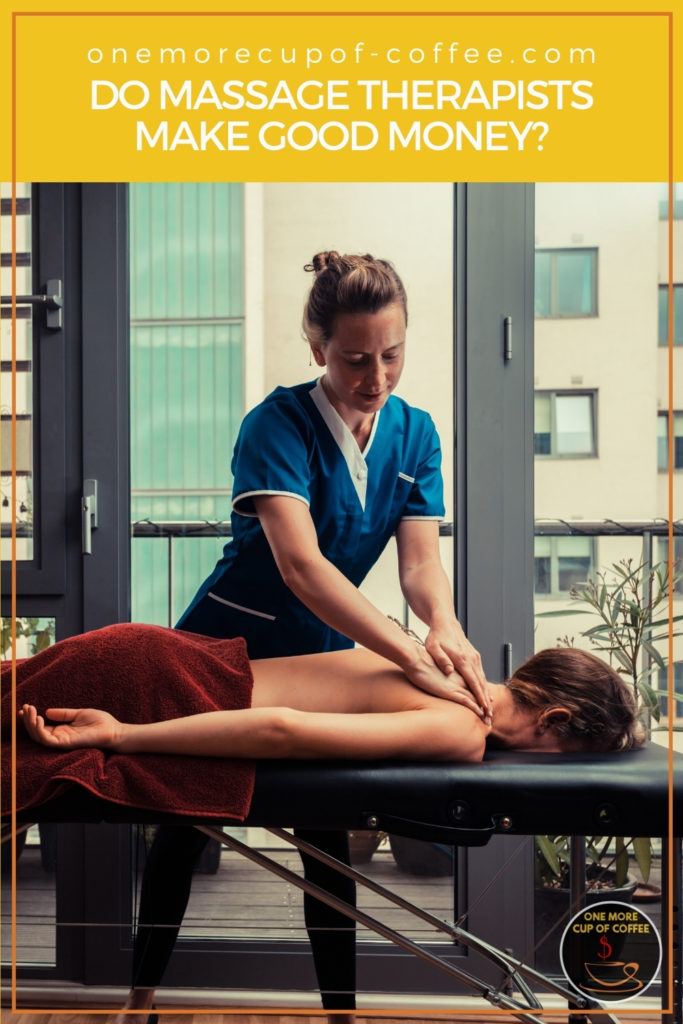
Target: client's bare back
{"type": "Point", "coordinates": [349, 682]}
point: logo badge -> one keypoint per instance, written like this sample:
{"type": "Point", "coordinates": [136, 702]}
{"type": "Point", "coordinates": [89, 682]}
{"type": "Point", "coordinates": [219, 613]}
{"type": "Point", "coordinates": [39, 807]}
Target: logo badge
{"type": "Point", "coordinates": [610, 951]}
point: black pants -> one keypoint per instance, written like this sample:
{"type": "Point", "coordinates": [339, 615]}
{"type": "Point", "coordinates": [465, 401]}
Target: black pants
{"type": "Point", "coordinates": [165, 891]}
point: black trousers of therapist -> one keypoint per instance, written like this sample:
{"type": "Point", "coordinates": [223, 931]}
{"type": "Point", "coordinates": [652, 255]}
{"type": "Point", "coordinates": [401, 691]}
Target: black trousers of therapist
{"type": "Point", "coordinates": [166, 889]}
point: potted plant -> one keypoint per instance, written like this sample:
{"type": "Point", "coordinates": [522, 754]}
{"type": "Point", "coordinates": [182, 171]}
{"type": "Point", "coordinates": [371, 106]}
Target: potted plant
{"type": "Point", "coordinates": [629, 602]}
{"type": "Point", "coordinates": [607, 877]}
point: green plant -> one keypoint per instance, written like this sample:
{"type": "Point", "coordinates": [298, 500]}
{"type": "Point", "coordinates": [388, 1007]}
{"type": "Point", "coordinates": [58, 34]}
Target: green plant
{"type": "Point", "coordinates": [629, 601]}
{"type": "Point", "coordinates": [39, 632]}
{"type": "Point", "coordinates": [607, 856]}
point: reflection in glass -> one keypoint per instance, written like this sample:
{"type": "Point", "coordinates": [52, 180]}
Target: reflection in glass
{"type": "Point", "coordinates": [574, 561]}
{"type": "Point", "coordinates": [565, 283]}
{"type": "Point", "coordinates": [33, 635]}
{"type": "Point", "coordinates": [23, 506]}
{"type": "Point", "coordinates": [575, 271]}
{"type": "Point", "coordinates": [574, 419]}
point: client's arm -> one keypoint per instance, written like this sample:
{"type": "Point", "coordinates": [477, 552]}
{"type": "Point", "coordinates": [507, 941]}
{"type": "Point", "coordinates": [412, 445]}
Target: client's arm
{"type": "Point", "coordinates": [441, 731]}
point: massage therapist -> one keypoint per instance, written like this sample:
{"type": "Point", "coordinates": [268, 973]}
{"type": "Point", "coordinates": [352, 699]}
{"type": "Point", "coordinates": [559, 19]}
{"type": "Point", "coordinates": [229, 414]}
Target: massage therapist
{"type": "Point", "coordinates": [324, 474]}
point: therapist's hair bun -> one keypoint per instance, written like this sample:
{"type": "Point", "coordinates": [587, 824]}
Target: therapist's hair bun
{"type": "Point", "coordinates": [348, 284]}
{"type": "Point", "coordinates": [603, 715]}
{"type": "Point", "coordinates": [321, 261]}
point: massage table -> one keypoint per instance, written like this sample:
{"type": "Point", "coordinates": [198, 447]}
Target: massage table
{"type": "Point", "coordinates": [510, 793]}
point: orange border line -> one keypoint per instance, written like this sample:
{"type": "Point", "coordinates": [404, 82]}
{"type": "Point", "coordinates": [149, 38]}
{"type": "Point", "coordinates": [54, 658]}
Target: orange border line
{"type": "Point", "coordinates": [345, 14]}
{"type": "Point", "coordinates": [670, 511]}
{"type": "Point", "coordinates": [13, 542]}
{"type": "Point", "coordinates": [377, 1013]}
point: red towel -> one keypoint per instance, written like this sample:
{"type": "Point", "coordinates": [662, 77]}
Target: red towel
{"type": "Point", "coordinates": [139, 674]}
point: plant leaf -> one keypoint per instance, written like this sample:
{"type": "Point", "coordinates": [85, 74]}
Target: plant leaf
{"type": "Point", "coordinates": [642, 849]}
{"type": "Point", "coordinates": [560, 614]}
{"type": "Point", "coordinates": [664, 622]}
{"type": "Point", "coordinates": [654, 653]}
{"type": "Point", "coordinates": [547, 848]}
{"type": "Point", "coordinates": [620, 862]}
{"type": "Point", "coordinates": [621, 658]}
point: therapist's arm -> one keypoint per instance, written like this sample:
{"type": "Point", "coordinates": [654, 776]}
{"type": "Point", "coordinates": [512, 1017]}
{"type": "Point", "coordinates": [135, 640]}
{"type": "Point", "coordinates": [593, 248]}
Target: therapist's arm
{"type": "Point", "coordinates": [319, 585]}
{"type": "Point", "coordinates": [426, 588]}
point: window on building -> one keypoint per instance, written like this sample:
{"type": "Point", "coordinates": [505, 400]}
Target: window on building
{"type": "Point", "coordinates": [566, 283]}
{"type": "Point", "coordinates": [662, 555]}
{"type": "Point", "coordinates": [664, 314]}
{"type": "Point", "coordinates": [187, 371]}
{"type": "Point", "coordinates": [561, 563]}
{"type": "Point", "coordinates": [678, 203]}
{"type": "Point", "coordinates": [663, 441]}
{"type": "Point", "coordinates": [564, 423]}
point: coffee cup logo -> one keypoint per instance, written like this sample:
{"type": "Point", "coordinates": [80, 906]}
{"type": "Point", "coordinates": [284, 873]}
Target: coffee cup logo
{"type": "Point", "coordinates": [610, 951]}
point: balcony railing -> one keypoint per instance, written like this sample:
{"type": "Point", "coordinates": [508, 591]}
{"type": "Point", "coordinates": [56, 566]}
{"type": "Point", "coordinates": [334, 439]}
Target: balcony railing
{"type": "Point", "coordinates": [170, 531]}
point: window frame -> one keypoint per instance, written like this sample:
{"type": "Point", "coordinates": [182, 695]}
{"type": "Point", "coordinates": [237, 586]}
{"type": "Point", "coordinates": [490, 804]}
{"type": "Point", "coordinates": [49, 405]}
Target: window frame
{"type": "Point", "coordinates": [677, 204]}
{"type": "Point", "coordinates": [554, 393]}
{"type": "Point", "coordinates": [554, 252]}
{"type": "Point", "coordinates": [664, 416]}
{"type": "Point", "coordinates": [555, 592]}
{"type": "Point", "coordinates": [663, 340]}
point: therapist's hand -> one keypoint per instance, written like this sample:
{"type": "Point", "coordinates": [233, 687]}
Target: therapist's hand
{"type": "Point", "coordinates": [459, 660]}
{"type": "Point", "coordinates": [424, 673]}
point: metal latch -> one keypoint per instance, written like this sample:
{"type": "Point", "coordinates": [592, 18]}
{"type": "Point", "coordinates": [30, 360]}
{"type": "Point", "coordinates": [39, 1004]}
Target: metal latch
{"type": "Point", "coordinates": [88, 514]}
{"type": "Point", "coordinates": [51, 300]}
{"type": "Point", "coordinates": [507, 339]}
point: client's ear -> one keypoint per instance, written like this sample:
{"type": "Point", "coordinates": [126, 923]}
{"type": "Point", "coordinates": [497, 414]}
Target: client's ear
{"type": "Point", "coordinates": [552, 717]}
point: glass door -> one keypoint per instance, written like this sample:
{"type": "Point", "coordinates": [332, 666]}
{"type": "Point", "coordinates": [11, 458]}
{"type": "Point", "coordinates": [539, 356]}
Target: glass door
{"type": "Point", "coordinates": [70, 338]}
{"type": "Point", "coordinates": [600, 470]}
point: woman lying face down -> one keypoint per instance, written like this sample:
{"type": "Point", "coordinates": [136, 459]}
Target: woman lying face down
{"type": "Point", "coordinates": [354, 704]}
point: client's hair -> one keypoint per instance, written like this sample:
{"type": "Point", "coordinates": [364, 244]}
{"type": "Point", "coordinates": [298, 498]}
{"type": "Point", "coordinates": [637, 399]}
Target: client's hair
{"type": "Point", "coordinates": [604, 715]}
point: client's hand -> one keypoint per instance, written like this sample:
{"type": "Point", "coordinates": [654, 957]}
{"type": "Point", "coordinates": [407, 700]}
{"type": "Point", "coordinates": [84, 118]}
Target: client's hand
{"type": "Point", "coordinates": [424, 673]}
{"type": "Point", "coordinates": [82, 727]}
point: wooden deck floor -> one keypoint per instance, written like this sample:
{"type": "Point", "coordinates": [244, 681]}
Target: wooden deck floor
{"type": "Point", "coordinates": [240, 900]}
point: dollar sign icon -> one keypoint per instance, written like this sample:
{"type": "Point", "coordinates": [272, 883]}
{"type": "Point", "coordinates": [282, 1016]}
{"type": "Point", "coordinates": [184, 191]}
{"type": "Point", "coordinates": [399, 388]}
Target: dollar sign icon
{"type": "Point", "coordinates": [605, 950]}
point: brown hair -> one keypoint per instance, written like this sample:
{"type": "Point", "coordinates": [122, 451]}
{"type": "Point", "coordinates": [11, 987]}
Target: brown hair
{"type": "Point", "coordinates": [348, 284]}
{"type": "Point", "coordinates": [604, 715]}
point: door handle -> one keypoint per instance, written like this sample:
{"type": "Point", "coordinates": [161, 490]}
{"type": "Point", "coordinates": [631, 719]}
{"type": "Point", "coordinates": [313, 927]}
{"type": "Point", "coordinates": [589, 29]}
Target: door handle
{"type": "Point", "coordinates": [88, 514]}
{"type": "Point", "coordinates": [51, 300]}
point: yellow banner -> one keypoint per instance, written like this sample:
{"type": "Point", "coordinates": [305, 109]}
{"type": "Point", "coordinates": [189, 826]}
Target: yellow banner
{"type": "Point", "coordinates": [347, 96]}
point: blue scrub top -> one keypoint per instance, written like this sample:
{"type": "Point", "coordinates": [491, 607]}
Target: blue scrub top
{"type": "Point", "coordinates": [295, 443]}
